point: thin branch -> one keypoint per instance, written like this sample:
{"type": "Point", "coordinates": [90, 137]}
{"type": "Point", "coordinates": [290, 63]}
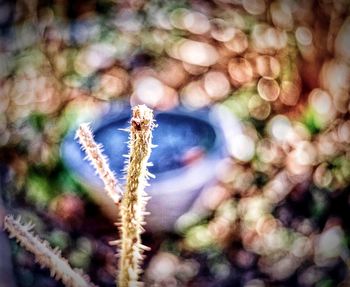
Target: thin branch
{"type": "Point", "coordinates": [134, 200]}
{"type": "Point", "coordinates": [99, 162]}
{"type": "Point", "coordinates": [44, 255]}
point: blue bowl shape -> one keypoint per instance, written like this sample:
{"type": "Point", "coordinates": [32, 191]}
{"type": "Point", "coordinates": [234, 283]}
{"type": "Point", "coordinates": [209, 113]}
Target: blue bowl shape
{"type": "Point", "coordinates": [189, 144]}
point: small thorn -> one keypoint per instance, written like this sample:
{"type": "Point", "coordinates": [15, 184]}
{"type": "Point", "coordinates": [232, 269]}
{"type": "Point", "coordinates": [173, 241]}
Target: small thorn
{"type": "Point", "coordinates": [114, 242]}
{"type": "Point", "coordinates": [144, 247]}
{"type": "Point", "coordinates": [124, 129]}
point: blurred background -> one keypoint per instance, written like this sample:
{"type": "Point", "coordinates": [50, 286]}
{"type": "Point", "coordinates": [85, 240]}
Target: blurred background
{"type": "Point", "coordinates": [276, 74]}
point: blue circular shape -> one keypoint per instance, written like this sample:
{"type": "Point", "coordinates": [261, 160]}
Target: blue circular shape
{"type": "Point", "coordinates": [174, 137]}
{"type": "Point", "coordinates": [182, 137]}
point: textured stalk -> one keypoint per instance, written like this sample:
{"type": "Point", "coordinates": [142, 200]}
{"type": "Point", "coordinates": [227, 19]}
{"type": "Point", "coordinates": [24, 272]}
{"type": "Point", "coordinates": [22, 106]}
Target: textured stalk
{"type": "Point", "coordinates": [44, 255]}
{"type": "Point", "coordinates": [99, 162]}
{"type": "Point", "coordinates": [134, 199]}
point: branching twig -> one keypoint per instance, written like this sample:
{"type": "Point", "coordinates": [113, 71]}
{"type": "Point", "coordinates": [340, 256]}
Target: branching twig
{"type": "Point", "coordinates": [134, 199]}
{"type": "Point", "coordinates": [99, 162]}
{"type": "Point", "coordinates": [132, 208]}
{"type": "Point", "coordinates": [44, 255]}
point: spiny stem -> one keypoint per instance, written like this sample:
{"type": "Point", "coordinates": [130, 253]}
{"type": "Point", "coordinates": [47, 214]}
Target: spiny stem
{"type": "Point", "coordinates": [44, 255]}
{"type": "Point", "coordinates": [99, 162]}
{"type": "Point", "coordinates": [134, 199]}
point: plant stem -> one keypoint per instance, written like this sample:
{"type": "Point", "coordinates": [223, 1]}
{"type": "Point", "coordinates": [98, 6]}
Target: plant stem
{"type": "Point", "coordinates": [47, 257]}
{"type": "Point", "coordinates": [134, 199]}
{"type": "Point", "coordinates": [99, 162]}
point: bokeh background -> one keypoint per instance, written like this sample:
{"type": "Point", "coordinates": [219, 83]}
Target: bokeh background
{"type": "Point", "coordinates": [278, 213]}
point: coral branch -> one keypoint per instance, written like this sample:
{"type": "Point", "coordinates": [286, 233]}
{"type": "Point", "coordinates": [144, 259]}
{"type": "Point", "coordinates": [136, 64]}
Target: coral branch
{"type": "Point", "coordinates": [99, 162]}
{"type": "Point", "coordinates": [45, 256]}
{"type": "Point", "coordinates": [134, 199]}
